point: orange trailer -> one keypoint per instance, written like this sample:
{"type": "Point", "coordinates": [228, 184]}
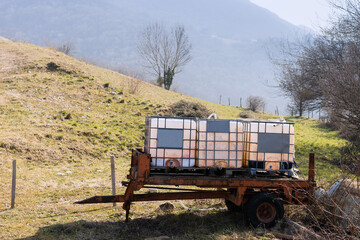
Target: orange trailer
{"type": "Point", "coordinates": [262, 197]}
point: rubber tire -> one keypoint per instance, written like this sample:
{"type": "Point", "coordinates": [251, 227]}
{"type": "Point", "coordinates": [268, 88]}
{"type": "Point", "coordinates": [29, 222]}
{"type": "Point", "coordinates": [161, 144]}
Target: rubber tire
{"type": "Point", "coordinates": [255, 201]}
{"type": "Point", "coordinates": [232, 207]}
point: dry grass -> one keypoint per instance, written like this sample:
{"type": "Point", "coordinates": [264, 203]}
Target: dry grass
{"type": "Point", "coordinates": [332, 215]}
{"type": "Point", "coordinates": [62, 126]}
{"type": "Point", "coordinates": [45, 209]}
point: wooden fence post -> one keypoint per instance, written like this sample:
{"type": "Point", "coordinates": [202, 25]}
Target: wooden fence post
{"type": "Point", "coordinates": [13, 184]}
{"type": "Point", "coordinates": [113, 177]}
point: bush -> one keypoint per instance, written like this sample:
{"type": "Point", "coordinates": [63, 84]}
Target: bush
{"type": "Point", "coordinates": [334, 214]}
{"type": "Point", "coordinates": [51, 66]}
{"type": "Point", "coordinates": [67, 48]}
{"type": "Point", "coordinates": [247, 114]}
{"type": "Point", "coordinates": [255, 103]}
{"type": "Point", "coordinates": [350, 157]}
{"type": "Point", "coordinates": [188, 109]}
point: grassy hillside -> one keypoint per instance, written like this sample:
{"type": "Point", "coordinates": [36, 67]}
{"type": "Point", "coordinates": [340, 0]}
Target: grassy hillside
{"type": "Point", "coordinates": [61, 119]}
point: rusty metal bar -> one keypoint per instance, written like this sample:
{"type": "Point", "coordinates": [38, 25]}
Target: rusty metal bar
{"type": "Point", "coordinates": [102, 199]}
{"type": "Point", "coordinates": [180, 196]}
{"type": "Point", "coordinates": [157, 197]}
{"type": "Point", "coordinates": [124, 183]}
{"type": "Point", "coordinates": [311, 167]}
{"type": "Point", "coordinates": [129, 192]}
{"type": "Point", "coordinates": [227, 183]}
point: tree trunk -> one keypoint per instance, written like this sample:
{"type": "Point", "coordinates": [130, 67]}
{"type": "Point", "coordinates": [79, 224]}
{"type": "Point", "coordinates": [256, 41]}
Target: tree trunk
{"type": "Point", "coordinates": [301, 109]}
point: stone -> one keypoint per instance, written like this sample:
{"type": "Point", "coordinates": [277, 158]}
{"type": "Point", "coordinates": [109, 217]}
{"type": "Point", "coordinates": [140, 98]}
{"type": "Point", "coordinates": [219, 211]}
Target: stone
{"type": "Point", "coordinates": [166, 207]}
{"type": "Point", "coordinates": [153, 190]}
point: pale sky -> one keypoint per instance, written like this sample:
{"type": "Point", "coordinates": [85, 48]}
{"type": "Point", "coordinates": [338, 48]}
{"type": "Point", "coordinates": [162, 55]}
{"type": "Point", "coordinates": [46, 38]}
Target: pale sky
{"type": "Point", "coordinates": [309, 13]}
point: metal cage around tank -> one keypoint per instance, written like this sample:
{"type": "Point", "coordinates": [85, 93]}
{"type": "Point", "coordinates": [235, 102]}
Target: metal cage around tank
{"type": "Point", "coordinates": [220, 143]}
{"type": "Point", "coordinates": [269, 145]}
{"type": "Point", "coordinates": [171, 142]}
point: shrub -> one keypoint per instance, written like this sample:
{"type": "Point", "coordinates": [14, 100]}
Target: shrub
{"type": "Point", "coordinates": [134, 85]}
{"type": "Point", "coordinates": [246, 114]}
{"type": "Point", "coordinates": [68, 116]}
{"type": "Point", "coordinates": [66, 47]}
{"type": "Point", "coordinates": [188, 109]}
{"type": "Point", "coordinates": [255, 103]}
{"type": "Point", "coordinates": [334, 214]}
{"type": "Point", "coordinates": [350, 157]}
{"type": "Point", "coordinates": [51, 66]}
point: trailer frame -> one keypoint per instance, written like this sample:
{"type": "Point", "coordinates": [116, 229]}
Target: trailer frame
{"type": "Point", "coordinates": [235, 190]}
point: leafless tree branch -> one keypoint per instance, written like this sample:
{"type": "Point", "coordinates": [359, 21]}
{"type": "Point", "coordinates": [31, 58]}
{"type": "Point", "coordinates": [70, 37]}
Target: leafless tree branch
{"type": "Point", "coordinates": [164, 53]}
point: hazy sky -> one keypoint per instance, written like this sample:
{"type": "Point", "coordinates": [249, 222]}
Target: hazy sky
{"type": "Point", "coordinates": [310, 13]}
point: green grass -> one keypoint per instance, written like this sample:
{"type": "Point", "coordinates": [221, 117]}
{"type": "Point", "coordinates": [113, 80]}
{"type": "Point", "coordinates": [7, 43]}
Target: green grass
{"type": "Point", "coordinates": [62, 126]}
{"type": "Point", "coordinates": [324, 142]}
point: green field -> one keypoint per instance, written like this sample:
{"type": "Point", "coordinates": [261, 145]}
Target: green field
{"type": "Point", "coordinates": [62, 118]}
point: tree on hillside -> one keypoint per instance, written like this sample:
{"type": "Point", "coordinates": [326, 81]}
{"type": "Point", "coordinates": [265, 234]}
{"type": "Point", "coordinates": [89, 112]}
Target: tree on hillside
{"type": "Point", "coordinates": [255, 103]}
{"type": "Point", "coordinates": [299, 83]}
{"type": "Point", "coordinates": [326, 73]}
{"type": "Point", "coordinates": [340, 85]}
{"type": "Point", "coordinates": [164, 52]}
{"type": "Point", "coordinates": [66, 47]}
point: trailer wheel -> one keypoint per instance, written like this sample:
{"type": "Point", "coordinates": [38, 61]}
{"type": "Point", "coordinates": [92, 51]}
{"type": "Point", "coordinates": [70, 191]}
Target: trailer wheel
{"type": "Point", "coordinates": [264, 209]}
{"type": "Point", "coordinates": [232, 207]}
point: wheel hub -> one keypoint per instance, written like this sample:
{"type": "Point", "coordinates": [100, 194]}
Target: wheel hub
{"type": "Point", "coordinates": [266, 212]}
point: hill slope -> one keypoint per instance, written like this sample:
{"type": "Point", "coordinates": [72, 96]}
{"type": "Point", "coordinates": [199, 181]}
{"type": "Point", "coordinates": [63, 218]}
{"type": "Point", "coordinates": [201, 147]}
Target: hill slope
{"type": "Point", "coordinates": [41, 87]}
{"type": "Point", "coordinates": [230, 38]}
{"type": "Point", "coordinates": [62, 118]}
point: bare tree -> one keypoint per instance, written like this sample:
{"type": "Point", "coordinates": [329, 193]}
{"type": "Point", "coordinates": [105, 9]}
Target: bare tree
{"type": "Point", "coordinates": [338, 53]}
{"type": "Point", "coordinates": [341, 88]}
{"type": "Point", "coordinates": [298, 75]}
{"type": "Point", "coordinates": [299, 83]}
{"type": "Point", "coordinates": [255, 103]}
{"type": "Point", "coordinates": [164, 53]}
{"type": "Point", "coordinates": [326, 73]}
{"type": "Point", "coordinates": [66, 47]}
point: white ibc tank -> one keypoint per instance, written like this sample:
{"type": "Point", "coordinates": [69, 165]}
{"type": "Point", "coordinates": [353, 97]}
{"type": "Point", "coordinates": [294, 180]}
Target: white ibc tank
{"type": "Point", "coordinates": [171, 141]}
{"type": "Point", "coordinates": [220, 143]}
{"type": "Point", "coordinates": [268, 145]}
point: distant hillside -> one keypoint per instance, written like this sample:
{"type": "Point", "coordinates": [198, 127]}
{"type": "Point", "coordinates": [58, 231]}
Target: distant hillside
{"type": "Point", "coordinates": [230, 39]}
